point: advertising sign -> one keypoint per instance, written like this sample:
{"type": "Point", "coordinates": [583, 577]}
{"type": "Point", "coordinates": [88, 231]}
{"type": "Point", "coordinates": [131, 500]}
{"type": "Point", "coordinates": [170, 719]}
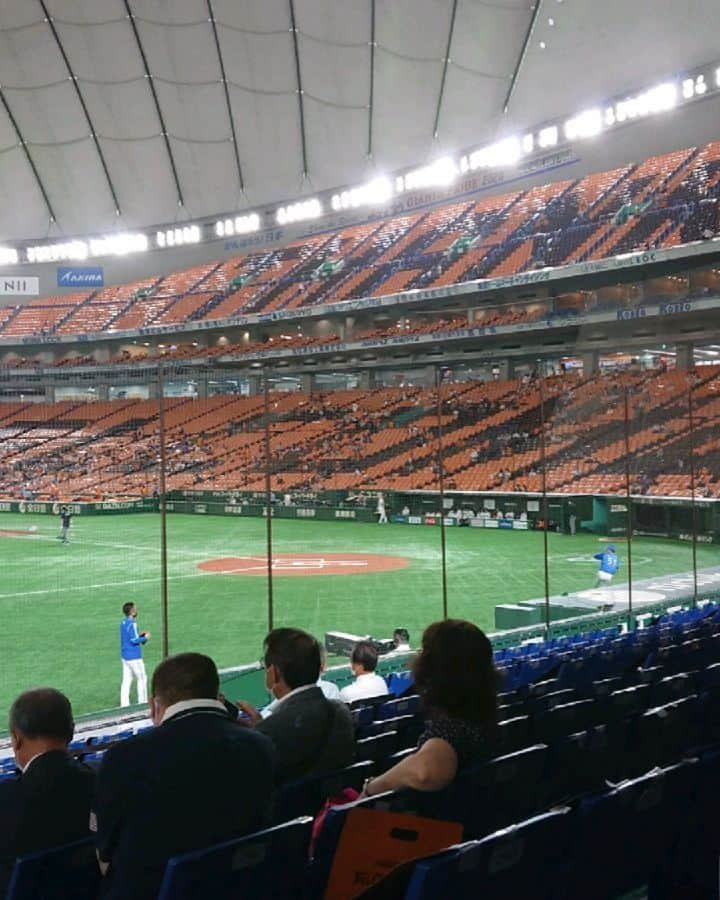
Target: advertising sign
{"type": "Point", "coordinates": [80, 277]}
{"type": "Point", "coordinates": [19, 286]}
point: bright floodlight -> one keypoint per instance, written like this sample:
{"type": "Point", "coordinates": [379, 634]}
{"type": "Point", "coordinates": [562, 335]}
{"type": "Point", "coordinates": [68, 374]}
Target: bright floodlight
{"type": "Point", "coordinates": [177, 237]}
{"type": "Point", "coordinates": [8, 256]}
{"type": "Point", "coordinates": [501, 153]}
{"type": "Point", "coordinates": [377, 191]}
{"type": "Point", "coordinates": [118, 244]}
{"type": "Point", "coordinates": [297, 212]}
{"type": "Point", "coordinates": [586, 124]}
{"type": "Point", "coordinates": [438, 174]}
{"type": "Point", "coordinates": [657, 99]}
{"type": "Point", "coordinates": [548, 137]}
{"type": "Point", "coordinates": [528, 143]}
{"type": "Point", "coordinates": [75, 250]}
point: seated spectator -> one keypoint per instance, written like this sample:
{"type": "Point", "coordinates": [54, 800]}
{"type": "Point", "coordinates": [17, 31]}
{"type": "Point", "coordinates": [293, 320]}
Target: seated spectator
{"type": "Point", "coordinates": [455, 676]}
{"type": "Point", "coordinates": [48, 803]}
{"type": "Point", "coordinates": [196, 779]}
{"type": "Point", "coordinates": [363, 663]}
{"type": "Point", "coordinates": [311, 734]}
{"type": "Point", "coordinates": [329, 688]}
{"type": "Point", "coordinates": [401, 640]}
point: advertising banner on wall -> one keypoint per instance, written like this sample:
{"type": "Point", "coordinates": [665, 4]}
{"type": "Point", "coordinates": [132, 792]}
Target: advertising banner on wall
{"type": "Point", "coordinates": [82, 277]}
{"type": "Point", "coordinates": [19, 286]}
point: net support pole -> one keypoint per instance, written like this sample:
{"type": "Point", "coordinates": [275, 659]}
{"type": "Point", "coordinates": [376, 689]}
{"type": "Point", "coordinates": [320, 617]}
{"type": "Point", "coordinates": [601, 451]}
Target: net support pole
{"type": "Point", "coordinates": [543, 458]}
{"type": "Point", "coordinates": [628, 503]}
{"type": "Point", "coordinates": [441, 485]}
{"type": "Point", "coordinates": [693, 503]}
{"type": "Point", "coordinates": [163, 510]}
{"type": "Point", "coordinates": [268, 500]}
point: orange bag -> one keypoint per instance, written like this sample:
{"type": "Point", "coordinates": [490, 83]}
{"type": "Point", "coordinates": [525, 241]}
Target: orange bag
{"type": "Point", "coordinates": [373, 842]}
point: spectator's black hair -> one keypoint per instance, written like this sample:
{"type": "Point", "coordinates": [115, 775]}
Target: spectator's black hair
{"type": "Point", "coordinates": [454, 672]}
{"type": "Point", "coordinates": [186, 676]}
{"type": "Point", "coordinates": [127, 607]}
{"type": "Point", "coordinates": [295, 654]}
{"type": "Point", "coordinates": [365, 655]}
{"type": "Point", "coordinates": [42, 713]}
{"type": "Point", "coordinates": [401, 636]}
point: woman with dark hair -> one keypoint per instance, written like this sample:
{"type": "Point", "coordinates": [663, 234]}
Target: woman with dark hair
{"type": "Point", "coordinates": [456, 678]}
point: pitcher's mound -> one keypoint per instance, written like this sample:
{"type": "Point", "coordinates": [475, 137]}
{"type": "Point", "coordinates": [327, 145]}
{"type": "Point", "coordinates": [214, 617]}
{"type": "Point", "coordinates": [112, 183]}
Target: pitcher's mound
{"type": "Point", "coordinates": [306, 564]}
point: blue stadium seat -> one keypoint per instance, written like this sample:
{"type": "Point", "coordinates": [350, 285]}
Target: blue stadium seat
{"type": "Point", "coordinates": [511, 735]}
{"type": "Point", "coordinates": [526, 860]}
{"type": "Point", "coordinates": [625, 839]}
{"type": "Point", "coordinates": [305, 796]}
{"type": "Point", "coordinates": [69, 872]}
{"type": "Point", "coordinates": [405, 706]}
{"type": "Point", "coordinates": [400, 682]}
{"type": "Point", "coordinates": [565, 719]}
{"type": "Point", "coordinates": [380, 746]}
{"type": "Point", "coordinates": [271, 863]}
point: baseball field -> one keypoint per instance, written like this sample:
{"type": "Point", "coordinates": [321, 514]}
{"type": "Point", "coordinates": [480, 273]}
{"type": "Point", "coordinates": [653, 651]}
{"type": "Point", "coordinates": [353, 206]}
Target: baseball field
{"type": "Point", "coordinates": [60, 605]}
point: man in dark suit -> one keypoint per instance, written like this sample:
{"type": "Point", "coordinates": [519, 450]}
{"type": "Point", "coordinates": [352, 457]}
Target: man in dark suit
{"type": "Point", "coordinates": [48, 804]}
{"type": "Point", "coordinates": [311, 734]}
{"type": "Point", "coordinates": [196, 779]}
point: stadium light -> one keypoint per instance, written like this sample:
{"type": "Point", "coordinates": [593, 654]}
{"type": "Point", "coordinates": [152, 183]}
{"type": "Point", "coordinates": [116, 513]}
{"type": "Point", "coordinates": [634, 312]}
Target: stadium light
{"type": "Point", "coordinates": [298, 212]}
{"type": "Point", "coordinates": [548, 137]}
{"type": "Point", "coordinates": [375, 192]}
{"type": "Point", "coordinates": [8, 256]}
{"type": "Point", "coordinates": [657, 99]}
{"type": "Point", "coordinates": [501, 153]}
{"type": "Point", "coordinates": [178, 237]}
{"type": "Point", "coordinates": [69, 250]}
{"type": "Point", "coordinates": [438, 174]}
{"type": "Point", "coordinates": [238, 225]}
{"type": "Point", "coordinates": [119, 244]}
{"type": "Point", "coordinates": [586, 124]}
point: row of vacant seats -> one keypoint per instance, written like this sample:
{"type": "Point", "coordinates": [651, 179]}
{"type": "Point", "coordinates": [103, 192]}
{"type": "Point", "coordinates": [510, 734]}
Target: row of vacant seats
{"type": "Point", "coordinates": [664, 201]}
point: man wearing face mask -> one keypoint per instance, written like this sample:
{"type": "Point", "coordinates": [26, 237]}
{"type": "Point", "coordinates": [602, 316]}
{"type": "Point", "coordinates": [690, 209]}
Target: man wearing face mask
{"type": "Point", "coordinates": [311, 734]}
{"type": "Point", "coordinates": [170, 790]}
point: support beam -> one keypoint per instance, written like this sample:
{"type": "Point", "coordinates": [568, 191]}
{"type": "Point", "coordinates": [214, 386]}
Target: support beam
{"type": "Point", "coordinates": [301, 105]}
{"type": "Point", "coordinates": [151, 83]}
{"type": "Point", "coordinates": [521, 57]}
{"type": "Point", "coordinates": [372, 79]}
{"type": "Point", "coordinates": [83, 106]}
{"type": "Point", "coordinates": [228, 104]}
{"type": "Point", "coordinates": [446, 62]}
{"type": "Point", "coordinates": [685, 356]}
{"type": "Point", "coordinates": [23, 144]}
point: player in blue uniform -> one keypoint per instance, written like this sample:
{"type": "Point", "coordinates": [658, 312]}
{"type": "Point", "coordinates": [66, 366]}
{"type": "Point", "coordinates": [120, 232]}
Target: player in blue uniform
{"type": "Point", "coordinates": [609, 564]}
{"type": "Point", "coordinates": [133, 667]}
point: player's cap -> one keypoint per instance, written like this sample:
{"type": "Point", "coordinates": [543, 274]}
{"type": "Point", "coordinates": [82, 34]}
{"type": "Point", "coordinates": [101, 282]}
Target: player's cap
{"type": "Point", "coordinates": [611, 548]}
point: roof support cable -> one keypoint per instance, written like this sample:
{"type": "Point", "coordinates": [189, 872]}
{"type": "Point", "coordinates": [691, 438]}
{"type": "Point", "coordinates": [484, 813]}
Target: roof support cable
{"type": "Point", "coordinates": [228, 102]}
{"type": "Point", "coordinates": [151, 83]}
{"type": "Point", "coordinates": [81, 100]}
{"type": "Point", "coordinates": [521, 57]}
{"type": "Point", "coordinates": [372, 80]}
{"type": "Point", "coordinates": [301, 107]}
{"type": "Point", "coordinates": [446, 62]}
{"type": "Point", "coordinates": [28, 157]}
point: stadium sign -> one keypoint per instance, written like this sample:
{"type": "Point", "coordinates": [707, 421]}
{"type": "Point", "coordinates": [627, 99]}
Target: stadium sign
{"type": "Point", "coordinates": [11, 286]}
{"type": "Point", "coordinates": [73, 276]}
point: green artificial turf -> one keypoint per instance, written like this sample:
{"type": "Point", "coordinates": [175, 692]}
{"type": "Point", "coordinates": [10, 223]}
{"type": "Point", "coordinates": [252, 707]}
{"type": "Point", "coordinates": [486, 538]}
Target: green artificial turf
{"type": "Point", "coordinates": [61, 605]}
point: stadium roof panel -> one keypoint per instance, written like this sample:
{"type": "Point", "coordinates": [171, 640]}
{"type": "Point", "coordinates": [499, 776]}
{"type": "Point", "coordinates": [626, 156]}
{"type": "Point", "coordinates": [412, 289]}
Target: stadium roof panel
{"type": "Point", "coordinates": [153, 95]}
